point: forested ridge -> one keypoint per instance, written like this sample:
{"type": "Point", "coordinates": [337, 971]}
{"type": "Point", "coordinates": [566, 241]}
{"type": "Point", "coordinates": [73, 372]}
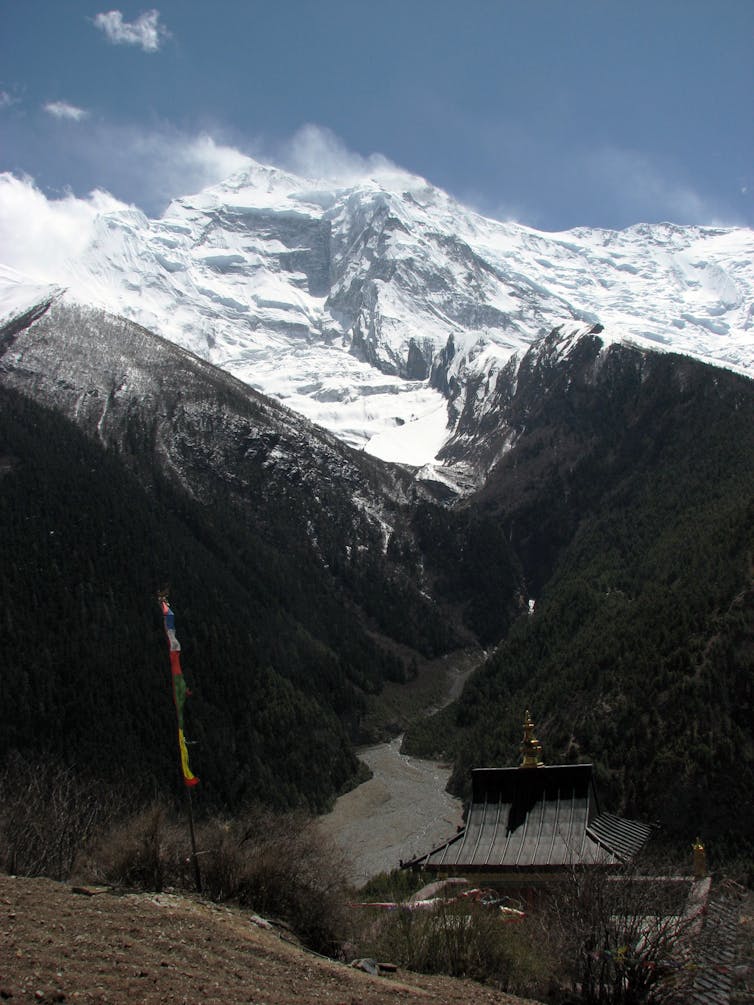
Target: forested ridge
{"type": "Point", "coordinates": [278, 667]}
{"type": "Point", "coordinates": [86, 678]}
{"type": "Point", "coordinates": [619, 498]}
{"type": "Point", "coordinates": [292, 608]}
{"type": "Point", "coordinates": [639, 655]}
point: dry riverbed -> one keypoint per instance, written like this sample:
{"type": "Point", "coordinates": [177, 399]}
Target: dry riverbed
{"type": "Point", "coordinates": [403, 810]}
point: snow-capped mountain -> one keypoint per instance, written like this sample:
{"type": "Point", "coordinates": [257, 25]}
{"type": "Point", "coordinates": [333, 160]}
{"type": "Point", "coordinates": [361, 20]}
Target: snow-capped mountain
{"type": "Point", "coordinates": [603, 549]}
{"type": "Point", "coordinates": [375, 308]}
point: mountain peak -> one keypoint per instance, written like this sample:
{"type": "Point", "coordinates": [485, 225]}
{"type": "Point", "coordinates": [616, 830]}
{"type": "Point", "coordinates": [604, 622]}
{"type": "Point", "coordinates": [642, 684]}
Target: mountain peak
{"type": "Point", "coordinates": [255, 184]}
{"type": "Point", "coordinates": [342, 294]}
{"type": "Point", "coordinates": [258, 185]}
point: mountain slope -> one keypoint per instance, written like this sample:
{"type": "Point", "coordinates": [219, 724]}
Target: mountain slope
{"type": "Point", "coordinates": [626, 492]}
{"type": "Point", "coordinates": [171, 948]}
{"type": "Point", "coordinates": [618, 501]}
{"type": "Point", "coordinates": [299, 579]}
{"type": "Point", "coordinates": [294, 484]}
{"type": "Point", "coordinates": [86, 677]}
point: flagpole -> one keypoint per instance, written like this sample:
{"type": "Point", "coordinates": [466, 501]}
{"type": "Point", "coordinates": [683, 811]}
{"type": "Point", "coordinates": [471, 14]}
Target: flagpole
{"type": "Point", "coordinates": [180, 693]}
{"type": "Point", "coordinates": [194, 856]}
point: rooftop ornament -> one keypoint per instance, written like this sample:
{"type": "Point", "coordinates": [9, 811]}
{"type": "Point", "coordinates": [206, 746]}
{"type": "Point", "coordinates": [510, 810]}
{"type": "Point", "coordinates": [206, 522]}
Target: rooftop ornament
{"type": "Point", "coordinates": [531, 748]}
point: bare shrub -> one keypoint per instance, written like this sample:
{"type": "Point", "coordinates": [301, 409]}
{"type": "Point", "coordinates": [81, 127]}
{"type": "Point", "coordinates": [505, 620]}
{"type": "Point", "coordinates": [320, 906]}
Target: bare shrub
{"type": "Point", "coordinates": [222, 860]}
{"type": "Point", "coordinates": [396, 885]}
{"type": "Point", "coordinates": [53, 821]}
{"type": "Point", "coordinates": [461, 939]}
{"type": "Point", "coordinates": [281, 866]}
{"type": "Point", "coordinates": [49, 814]}
{"type": "Point", "coordinates": [623, 939]}
{"type": "Point", "coordinates": [278, 865]}
{"type": "Point", "coordinates": [146, 851]}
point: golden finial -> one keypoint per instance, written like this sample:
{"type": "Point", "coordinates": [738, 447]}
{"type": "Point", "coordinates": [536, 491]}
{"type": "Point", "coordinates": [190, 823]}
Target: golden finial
{"type": "Point", "coordinates": [531, 748]}
{"type": "Point", "coordinates": [700, 859]}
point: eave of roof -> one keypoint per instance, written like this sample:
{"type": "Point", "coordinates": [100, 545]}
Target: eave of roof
{"type": "Point", "coordinates": [536, 819]}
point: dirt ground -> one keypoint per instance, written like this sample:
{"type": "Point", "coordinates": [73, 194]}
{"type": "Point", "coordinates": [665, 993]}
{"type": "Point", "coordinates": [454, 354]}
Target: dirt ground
{"type": "Point", "coordinates": [150, 949]}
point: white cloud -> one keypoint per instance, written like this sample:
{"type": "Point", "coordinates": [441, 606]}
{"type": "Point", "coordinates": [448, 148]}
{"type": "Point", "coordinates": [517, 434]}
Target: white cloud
{"type": "Point", "coordinates": [157, 166]}
{"type": "Point", "coordinates": [648, 188]}
{"type": "Point", "coordinates": [6, 100]}
{"type": "Point", "coordinates": [153, 167]}
{"type": "Point", "coordinates": [316, 152]}
{"type": "Point", "coordinates": [189, 163]}
{"type": "Point", "coordinates": [65, 110]}
{"type": "Point", "coordinates": [145, 31]}
{"type": "Point", "coordinates": [41, 236]}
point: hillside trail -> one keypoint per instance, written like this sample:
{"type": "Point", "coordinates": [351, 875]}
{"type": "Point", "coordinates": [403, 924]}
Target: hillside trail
{"type": "Point", "coordinates": [403, 809]}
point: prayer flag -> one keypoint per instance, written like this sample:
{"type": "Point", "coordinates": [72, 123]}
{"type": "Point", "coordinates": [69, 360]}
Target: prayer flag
{"type": "Point", "coordinates": [180, 691]}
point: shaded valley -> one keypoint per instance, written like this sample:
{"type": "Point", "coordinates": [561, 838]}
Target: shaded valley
{"type": "Point", "coordinates": [605, 563]}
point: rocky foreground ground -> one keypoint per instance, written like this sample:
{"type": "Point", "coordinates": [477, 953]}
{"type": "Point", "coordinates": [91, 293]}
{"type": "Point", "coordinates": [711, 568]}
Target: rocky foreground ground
{"type": "Point", "coordinates": [107, 949]}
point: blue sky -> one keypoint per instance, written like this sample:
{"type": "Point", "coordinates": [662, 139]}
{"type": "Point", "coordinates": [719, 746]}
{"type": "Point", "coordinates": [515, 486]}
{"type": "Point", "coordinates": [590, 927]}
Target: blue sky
{"type": "Point", "coordinates": [555, 113]}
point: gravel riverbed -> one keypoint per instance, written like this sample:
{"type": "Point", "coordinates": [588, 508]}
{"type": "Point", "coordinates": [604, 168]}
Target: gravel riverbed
{"type": "Point", "coordinates": [402, 811]}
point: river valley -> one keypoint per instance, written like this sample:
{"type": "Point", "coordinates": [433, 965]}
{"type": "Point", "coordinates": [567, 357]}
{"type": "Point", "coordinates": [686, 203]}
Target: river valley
{"type": "Point", "coordinates": [403, 809]}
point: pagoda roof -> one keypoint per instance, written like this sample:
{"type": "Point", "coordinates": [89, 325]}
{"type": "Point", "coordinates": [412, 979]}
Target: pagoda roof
{"type": "Point", "coordinates": [539, 819]}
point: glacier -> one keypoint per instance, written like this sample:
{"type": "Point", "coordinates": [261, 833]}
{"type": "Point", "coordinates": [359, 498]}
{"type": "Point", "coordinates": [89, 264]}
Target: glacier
{"type": "Point", "coordinates": [373, 307]}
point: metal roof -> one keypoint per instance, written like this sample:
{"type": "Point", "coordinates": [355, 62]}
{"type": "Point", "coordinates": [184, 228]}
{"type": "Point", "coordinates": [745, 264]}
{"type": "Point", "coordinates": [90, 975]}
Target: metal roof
{"type": "Point", "coordinates": [625, 838]}
{"type": "Point", "coordinates": [536, 819]}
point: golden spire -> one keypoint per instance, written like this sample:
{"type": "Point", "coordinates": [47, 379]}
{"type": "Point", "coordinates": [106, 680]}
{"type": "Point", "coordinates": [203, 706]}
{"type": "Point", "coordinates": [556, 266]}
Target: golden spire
{"type": "Point", "coordinates": [531, 748]}
{"type": "Point", "coordinates": [700, 859]}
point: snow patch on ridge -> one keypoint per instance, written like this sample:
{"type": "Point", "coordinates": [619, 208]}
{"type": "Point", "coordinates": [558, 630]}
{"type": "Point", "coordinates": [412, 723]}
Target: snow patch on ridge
{"type": "Point", "coordinates": [19, 293]}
